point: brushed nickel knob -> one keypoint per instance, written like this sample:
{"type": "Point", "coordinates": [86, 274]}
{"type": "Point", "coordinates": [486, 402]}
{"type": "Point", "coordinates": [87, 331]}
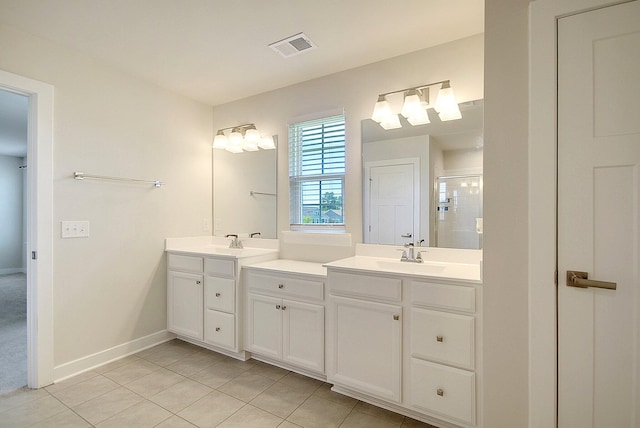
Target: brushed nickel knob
{"type": "Point", "coordinates": [217, 328]}
{"type": "Point", "coordinates": [284, 307]}
{"type": "Point", "coordinates": [277, 306]}
{"type": "Point", "coordinates": [396, 317]}
{"type": "Point", "coordinates": [440, 338]}
{"type": "Point", "coordinates": [198, 282]}
{"type": "Point", "coordinates": [217, 294]}
{"type": "Point", "coordinates": [280, 285]}
{"type": "Point", "coordinates": [440, 392]}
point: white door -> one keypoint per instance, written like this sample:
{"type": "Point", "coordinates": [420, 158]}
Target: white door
{"type": "Point", "coordinates": [598, 224]}
{"type": "Point", "coordinates": [185, 302]}
{"type": "Point", "coordinates": [303, 335]}
{"type": "Point", "coordinates": [392, 204]}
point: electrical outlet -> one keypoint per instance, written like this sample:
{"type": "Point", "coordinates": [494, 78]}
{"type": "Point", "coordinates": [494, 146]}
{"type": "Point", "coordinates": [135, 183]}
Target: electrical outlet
{"type": "Point", "coordinates": [74, 229]}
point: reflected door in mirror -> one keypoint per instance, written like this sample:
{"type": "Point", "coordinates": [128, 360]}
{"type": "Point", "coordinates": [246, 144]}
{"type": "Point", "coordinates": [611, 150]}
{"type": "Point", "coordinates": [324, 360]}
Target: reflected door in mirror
{"type": "Point", "coordinates": [392, 202]}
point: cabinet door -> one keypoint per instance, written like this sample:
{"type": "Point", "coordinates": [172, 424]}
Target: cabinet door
{"type": "Point", "coordinates": [366, 343]}
{"type": "Point", "coordinates": [264, 325]}
{"type": "Point", "coordinates": [303, 335]}
{"type": "Point", "coordinates": [184, 304]}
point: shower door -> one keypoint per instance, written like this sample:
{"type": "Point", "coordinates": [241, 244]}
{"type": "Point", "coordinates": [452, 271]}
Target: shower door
{"type": "Point", "coordinates": [458, 208]}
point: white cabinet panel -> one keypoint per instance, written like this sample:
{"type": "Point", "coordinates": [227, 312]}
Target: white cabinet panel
{"type": "Point", "coordinates": [443, 337]}
{"type": "Point", "coordinates": [303, 335]}
{"type": "Point", "coordinates": [285, 286]}
{"type": "Point", "coordinates": [357, 285]}
{"type": "Point", "coordinates": [184, 303]}
{"type": "Point", "coordinates": [443, 390]}
{"type": "Point", "coordinates": [453, 297]}
{"type": "Point", "coordinates": [185, 263]}
{"type": "Point", "coordinates": [219, 294]}
{"type": "Point", "coordinates": [219, 328]}
{"type": "Point", "coordinates": [220, 267]}
{"type": "Point", "coordinates": [264, 325]}
{"type": "Point", "coordinates": [367, 347]}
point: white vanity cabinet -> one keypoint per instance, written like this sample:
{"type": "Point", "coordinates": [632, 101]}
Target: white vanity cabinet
{"type": "Point", "coordinates": [365, 330]}
{"type": "Point", "coordinates": [204, 300]}
{"type": "Point", "coordinates": [285, 317]}
{"type": "Point", "coordinates": [405, 342]}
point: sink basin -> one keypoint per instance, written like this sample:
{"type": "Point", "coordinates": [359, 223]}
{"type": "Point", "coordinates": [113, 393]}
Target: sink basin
{"type": "Point", "coordinates": [425, 268]}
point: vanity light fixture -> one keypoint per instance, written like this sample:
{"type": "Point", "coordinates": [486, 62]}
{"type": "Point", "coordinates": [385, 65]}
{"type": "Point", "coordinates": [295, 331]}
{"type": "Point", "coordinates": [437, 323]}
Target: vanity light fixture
{"type": "Point", "coordinates": [242, 138]}
{"type": "Point", "coordinates": [414, 107]}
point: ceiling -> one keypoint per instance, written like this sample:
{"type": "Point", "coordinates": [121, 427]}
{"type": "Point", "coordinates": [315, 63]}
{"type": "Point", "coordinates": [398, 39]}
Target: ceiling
{"type": "Point", "coordinates": [216, 51]}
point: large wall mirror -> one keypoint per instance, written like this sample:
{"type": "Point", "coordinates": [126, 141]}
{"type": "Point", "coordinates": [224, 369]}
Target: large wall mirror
{"type": "Point", "coordinates": [244, 193]}
{"type": "Point", "coordinates": [423, 184]}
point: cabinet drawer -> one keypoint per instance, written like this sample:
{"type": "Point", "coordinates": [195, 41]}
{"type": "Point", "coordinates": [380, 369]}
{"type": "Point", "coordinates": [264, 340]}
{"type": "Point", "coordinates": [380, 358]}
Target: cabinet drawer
{"type": "Point", "coordinates": [219, 294]}
{"type": "Point", "coordinates": [185, 263]}
{"type": "Point", "coordinates": [222, 267]}
{"type": "Point", "coordinates": [219, 328]}
{"type": "Point", "coordinates": [443, 337]}
{"type": "Point", "coordinates": [443, 390]}
{"type": "Point", "coordinates": [456, 297]}
{"type": "Point", "coordinates": [365, 286]}
{"type": "Point", "coordinates": [286, 286]}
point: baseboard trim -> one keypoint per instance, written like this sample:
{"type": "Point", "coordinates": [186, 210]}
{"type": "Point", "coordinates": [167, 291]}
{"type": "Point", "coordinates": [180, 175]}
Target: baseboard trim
{"type": "Point", "coordinates": [90, 362]}
{"type": "Point", "coordinates": [9, 271]}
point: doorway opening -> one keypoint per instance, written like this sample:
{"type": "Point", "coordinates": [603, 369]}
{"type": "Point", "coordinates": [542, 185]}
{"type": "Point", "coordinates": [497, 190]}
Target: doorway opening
{"type": "Point", "coordinates": [14, 115]}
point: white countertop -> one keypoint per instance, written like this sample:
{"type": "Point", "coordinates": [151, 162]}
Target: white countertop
{"type": "Point", "coordinates": [290, 266]}
{"type": "Point", "coordinates": [469, 272]}
{"type": "Point", "coordinates": [219, 247]}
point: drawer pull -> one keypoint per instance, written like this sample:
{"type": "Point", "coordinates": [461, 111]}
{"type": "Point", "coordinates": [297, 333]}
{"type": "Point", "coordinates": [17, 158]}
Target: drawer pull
{"type": "Point", "coordinates": [440, 338]}
{"type": "Point", "coordinates": [217, 294]}
{"type": "Point", "coordinates": [440, 392]}
{"type": "Point", "coordinates": [217, 328]}
{"type": "Point", "coordinates": [277, 306]}
{"type": "Point", "coordinates": [280, 285]}
{"type": "Point", "coordinates": [198, 282]}
{"type": "Point", "coordinates": [284, 307]}
{"type": "Point", "coordinates": [396, 317]}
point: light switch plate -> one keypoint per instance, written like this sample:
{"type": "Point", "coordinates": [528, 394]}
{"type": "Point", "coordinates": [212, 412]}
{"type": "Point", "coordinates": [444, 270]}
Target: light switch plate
{"type": "Point", "coordinates": [74, 229]}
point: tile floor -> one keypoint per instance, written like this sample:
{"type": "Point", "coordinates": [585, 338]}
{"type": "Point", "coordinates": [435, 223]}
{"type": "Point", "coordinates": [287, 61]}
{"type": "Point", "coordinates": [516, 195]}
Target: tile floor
{"type": "Point", "coordinates": [178, 385]}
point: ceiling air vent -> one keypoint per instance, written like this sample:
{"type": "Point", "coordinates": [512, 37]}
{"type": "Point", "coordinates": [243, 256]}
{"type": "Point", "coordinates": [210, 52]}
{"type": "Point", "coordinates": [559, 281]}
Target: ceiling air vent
{"type": "Point", "coordinates": [293, 45]}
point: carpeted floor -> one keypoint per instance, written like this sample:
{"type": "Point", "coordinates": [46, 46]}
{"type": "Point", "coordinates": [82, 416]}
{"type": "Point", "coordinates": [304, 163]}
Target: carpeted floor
{"type": "Point", "coordinates": [13, 332]}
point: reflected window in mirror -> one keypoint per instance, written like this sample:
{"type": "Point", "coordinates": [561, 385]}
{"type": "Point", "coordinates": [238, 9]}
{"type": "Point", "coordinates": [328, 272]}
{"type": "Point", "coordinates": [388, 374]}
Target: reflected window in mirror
{"type": "Point", "coordinates": [316, 173]}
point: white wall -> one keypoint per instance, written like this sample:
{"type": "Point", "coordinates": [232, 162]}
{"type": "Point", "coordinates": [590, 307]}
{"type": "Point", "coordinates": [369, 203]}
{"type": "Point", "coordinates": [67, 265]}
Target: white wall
{"type": "Point", "coordinates": [505, 286]}
{"type": "Point", "coordinates": [110, 288]}
{"type": "Point", "coordinates": [462, 162]}
{"type": "Point", "coordinates": [356, 91]}
{"type": "Point", "coordinates": [11, 215]}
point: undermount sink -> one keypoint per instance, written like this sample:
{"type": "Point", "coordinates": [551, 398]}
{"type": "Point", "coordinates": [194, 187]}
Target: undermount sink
{"type": "Point", "coordinates": [424, 267]}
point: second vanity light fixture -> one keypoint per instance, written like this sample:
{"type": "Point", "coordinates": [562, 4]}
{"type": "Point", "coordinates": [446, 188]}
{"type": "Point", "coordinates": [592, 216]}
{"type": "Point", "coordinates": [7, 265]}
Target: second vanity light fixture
{"type": "Point", "coordinates": [242, 138]}
{"type": "Point", "coordinates": [414, 107]}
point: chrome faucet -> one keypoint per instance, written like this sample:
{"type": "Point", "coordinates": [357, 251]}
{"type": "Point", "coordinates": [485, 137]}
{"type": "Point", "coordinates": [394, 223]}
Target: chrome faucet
{"type": "Point", "coordinates": [410, 257]}
{"type": "Point", "coordinates": [235, 242]}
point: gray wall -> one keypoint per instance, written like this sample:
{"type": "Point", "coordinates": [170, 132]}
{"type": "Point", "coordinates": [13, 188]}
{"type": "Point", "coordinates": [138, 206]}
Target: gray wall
{"type": "Point", "coordinates": [11, 214]}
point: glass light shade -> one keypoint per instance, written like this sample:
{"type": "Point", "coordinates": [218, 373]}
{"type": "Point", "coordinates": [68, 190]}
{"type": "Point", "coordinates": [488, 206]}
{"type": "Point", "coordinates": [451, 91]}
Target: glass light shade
{"type": "Point", "coordinates": [267, 143]}
{"type": "Point", "coordinates": [382, 110]}
{"type": "Point", "coordinates": [233, 149]}
{"type": "Point", "coordinates": [249, 146]}
{"type": "Point", "coordinates": [446, 100]}
{"type": "Point", "coordinates": [452, 114]}
{"type": "Point", "coordinates": [421, 118]}
{"type": "Point", "coordinates": [412, 105]}
{"type": "Point", "coordinates": [252, 136]}
{"type": "Point", "coordinates": [220, 141]}
{"type": "Point", "coordinates": [235, 138]}
{"type": "Point", "coordinates": [392, 122]}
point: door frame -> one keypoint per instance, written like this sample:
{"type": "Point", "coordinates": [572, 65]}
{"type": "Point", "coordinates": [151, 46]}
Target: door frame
{"type": "Point", "coordinates": [542, 201]}
{"type": "Point", "coordinates": [366, 194]}
{"type": "Point", "coordinates": [39, 225]}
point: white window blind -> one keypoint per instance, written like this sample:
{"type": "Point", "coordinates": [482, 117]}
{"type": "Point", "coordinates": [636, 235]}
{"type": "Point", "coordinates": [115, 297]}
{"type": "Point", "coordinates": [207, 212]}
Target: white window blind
{"type": "Point", "coordinates": [316, 171]}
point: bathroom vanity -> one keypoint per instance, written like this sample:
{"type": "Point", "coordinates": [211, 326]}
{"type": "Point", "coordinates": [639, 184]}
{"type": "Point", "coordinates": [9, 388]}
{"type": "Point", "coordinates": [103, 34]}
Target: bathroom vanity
{"type": "Point", "coordinates": [204, 290]}
{"type": "Point", "coordinates": [406, 336]}
{"type": "Point", "coordinates": [402, 336]}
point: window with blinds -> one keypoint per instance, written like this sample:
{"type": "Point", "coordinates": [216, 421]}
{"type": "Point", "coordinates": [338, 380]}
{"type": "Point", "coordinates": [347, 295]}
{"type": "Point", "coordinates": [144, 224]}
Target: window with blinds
{"type": "Point", "coordinates": [316, 172]}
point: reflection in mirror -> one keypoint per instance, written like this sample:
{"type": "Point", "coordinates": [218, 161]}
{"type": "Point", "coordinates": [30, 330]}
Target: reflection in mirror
{"type": "Point", "coordinates": [423, 184]}
{"type": "Point", "coordinates": [244, 193]}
